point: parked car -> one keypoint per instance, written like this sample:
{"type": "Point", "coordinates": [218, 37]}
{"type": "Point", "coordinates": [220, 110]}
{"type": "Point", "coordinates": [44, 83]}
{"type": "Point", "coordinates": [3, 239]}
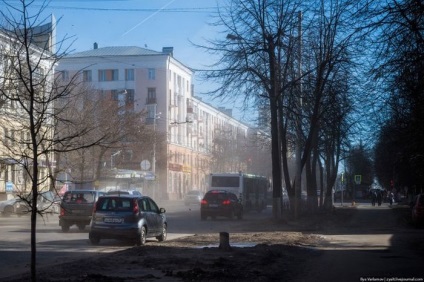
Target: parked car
{"type": "Point", "coordinates": [417, 210]}
{"type": "Point", "coordinates": [124, 192]}
{"type": "Point", "coordinates": [193, 197]}
{"type": "Point", "coordinates": [220, 203]}
{"type": "Point", "coordinates": [8, 207]}
{"type": "Point", "coordinates": [76, 208]}
{"type": "Point", "coordinates": [127, 217]}
{"type": "Point", "coordinates": [47, 202]}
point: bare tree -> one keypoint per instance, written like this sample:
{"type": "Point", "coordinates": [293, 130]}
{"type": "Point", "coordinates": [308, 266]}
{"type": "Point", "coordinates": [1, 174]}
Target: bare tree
{"type": "Point", "coordinates": [35, 99]}
{"type": "Point", "coordinates": [267, 54]}
{"type": "Point", "coordinates": [126, 132]}
{"type": "Point", "coordinates": [399, 73]}
{"type": "Point", "coordinates": [227, 151]}
{"type": "Point", "coordinates": [254, 60]}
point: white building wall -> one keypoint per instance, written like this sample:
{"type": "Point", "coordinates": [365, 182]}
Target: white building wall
{"type": "Point", "coordinates": [188, 122]}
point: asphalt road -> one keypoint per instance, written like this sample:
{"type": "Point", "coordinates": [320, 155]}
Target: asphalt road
{"type": "Point", "coordinates": [375, 245]}
{"type": "Point", "coordinates": [54, 246]}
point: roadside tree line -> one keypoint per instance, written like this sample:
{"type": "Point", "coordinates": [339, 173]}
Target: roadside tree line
{"type": "Point", "coordinates": [323, 69]}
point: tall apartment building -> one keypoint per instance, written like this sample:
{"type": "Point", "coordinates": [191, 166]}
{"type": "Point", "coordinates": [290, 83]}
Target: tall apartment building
{"type": "Point", "coordinates": [158, 83]}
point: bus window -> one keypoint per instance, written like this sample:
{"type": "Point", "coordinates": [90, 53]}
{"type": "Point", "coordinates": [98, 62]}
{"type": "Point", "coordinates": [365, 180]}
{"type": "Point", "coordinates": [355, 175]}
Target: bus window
{"type": "Point", "coordinates": [228, 181]}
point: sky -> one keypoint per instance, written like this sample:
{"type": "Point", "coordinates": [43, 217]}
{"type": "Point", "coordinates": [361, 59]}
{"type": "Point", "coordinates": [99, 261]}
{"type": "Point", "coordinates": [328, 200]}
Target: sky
{"type": "Point", "coordinates": [150, 24]}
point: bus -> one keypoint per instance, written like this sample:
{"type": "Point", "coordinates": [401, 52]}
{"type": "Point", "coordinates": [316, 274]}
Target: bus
{"type": "Point", "coordinates": [250, 189]}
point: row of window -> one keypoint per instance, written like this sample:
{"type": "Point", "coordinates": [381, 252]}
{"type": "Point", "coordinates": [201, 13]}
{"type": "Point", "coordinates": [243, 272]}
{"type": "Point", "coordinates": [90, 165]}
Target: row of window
{"type": "Point", "coordinates": [109, 75]}
{"type": "Point", "coordinates": [10, 136]}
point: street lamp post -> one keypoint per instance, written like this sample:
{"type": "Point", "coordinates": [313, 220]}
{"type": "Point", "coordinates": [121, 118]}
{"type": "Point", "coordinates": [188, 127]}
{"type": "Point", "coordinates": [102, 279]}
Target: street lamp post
{"type": "Point", "coordinates": [111, 158]}
{"type": "Point", "coordinates": [155, 117]}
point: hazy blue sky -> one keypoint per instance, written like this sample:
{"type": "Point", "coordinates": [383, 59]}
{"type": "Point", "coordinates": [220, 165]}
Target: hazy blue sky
{"type": "Point", "coordinates": [146, 23]}
{"type": "Point", "coordinates": [151, 24]}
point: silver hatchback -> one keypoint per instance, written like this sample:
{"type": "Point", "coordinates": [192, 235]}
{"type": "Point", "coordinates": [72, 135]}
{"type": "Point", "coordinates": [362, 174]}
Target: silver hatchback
{"type": "Point", "coordinates": [127, 217]}
{"type": "Point", "coordinates": [193, 197]}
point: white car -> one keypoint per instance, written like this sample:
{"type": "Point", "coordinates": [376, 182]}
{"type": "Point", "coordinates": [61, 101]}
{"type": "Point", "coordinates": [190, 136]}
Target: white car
{"type": "Point", "coordinates": [193, 197]}
{"type": "Point", "coordinates": [8, 207]}
{"type": "Point", "coordinates": [47, 202]}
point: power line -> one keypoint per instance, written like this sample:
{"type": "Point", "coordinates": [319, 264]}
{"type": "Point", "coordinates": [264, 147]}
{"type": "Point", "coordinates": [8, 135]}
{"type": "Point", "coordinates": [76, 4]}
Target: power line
{"type": "Point", "coordinates": [170, 10]}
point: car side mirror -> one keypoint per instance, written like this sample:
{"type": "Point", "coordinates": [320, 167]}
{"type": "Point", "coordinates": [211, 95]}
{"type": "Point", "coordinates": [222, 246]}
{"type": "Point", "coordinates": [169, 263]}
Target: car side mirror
{"type": "Point", "coordinates": [162, 210]}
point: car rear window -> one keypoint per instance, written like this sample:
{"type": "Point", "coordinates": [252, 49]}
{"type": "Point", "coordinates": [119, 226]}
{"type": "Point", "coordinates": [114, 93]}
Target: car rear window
{"type": "Point", "coordinates": [115, 203]}
{"type": "Point", "coordinates": [78, 197]}
{"type": "Point", "coordinates": [216, 196]}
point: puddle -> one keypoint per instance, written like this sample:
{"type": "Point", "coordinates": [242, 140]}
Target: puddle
{"type": "Point", "coordinates": [237, 245]}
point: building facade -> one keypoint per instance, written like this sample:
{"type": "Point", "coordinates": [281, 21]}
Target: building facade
{"type": "Point", "coordinates": [160, 85]}
{"type": "Point", "coordinates": [16, 157]}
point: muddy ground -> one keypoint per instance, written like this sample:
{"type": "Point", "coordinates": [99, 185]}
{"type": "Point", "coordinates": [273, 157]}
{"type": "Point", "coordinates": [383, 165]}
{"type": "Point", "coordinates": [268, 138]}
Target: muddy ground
{"type": "Point", "coordinates": [270, 251]}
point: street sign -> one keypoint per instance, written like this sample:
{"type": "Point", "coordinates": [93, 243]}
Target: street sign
{"type": "Point", "coordinates": [145, 165]}
{"type": "Point", "coordinates": [9, 186]}
{"type": "Point", "coordinates": [358, 179]}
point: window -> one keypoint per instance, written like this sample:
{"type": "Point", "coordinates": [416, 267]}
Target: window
{"type": "Point", "coordinates": [153, 206]}
{"type": "Point", "coordinates": [130, 96]}
{"type": "Point", "coordinates": [39, 74]}
{"type": "Point", "coordinates": [129, 74]}
{"type": "Point", "coordinates": [108, 75]}
{"type": "Point", "coordinates": [152, 74]}
{"type": "Point", "coordinates": [151, 96]}
{"type": "Point", "coordinates": [126, 95]}
{"type": "Point", "coordinates": [144, 204]}
{"type": "Point", "coordinates": [64, 75]}
{"type": "Point", "coordinates": [151, 113]}
{"type": "Point", "coordinates": [86, 75]}
{"type": "Point", "coordinates": [151, 93]}
{"type": "Point", "coordinates": [6, 135]}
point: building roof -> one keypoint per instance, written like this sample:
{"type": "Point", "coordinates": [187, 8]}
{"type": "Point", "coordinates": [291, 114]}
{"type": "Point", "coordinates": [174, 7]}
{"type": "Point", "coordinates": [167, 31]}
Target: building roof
{"type": "Point", "coordinates": [116, 51]}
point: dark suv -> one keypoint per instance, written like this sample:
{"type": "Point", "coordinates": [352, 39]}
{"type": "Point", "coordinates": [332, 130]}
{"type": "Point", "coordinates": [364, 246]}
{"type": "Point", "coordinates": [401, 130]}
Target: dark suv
{"type": "Point", "coordinates": [77, 207]}
{"type": "Point", "coordinates": [127, 217]}
{"type": "Point", "coordinates": [220, 203]}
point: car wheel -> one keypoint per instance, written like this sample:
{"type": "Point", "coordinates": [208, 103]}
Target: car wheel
{"type": "Point", "coordinates": [65, 228]}
{"type": "Point", "coordinates": [162, 237]}
{"type": "Point", "coordinates": [141, 239]}
{"type": "Point", "coordinates": [8, 210]}
{"type": "Point", "coordinates": [94, 239]}
{"type": "Point", "coordinates": [231, 214]}
{"type": "Point", "coordinates": [81, 226]}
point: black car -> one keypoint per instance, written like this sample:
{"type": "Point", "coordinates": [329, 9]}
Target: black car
{"type": "Point", "coordinates": [127, 217]}
{"type": "Point", "coordinates": [417, 210]}
{"type": "Point", "coordinates": [77, 207]}
{"type": "Point", "coordinates": [220, 203]}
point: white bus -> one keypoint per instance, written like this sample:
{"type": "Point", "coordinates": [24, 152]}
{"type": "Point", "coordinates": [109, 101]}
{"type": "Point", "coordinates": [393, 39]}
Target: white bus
{"type": "Point", "coordinates": [250, 189]}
